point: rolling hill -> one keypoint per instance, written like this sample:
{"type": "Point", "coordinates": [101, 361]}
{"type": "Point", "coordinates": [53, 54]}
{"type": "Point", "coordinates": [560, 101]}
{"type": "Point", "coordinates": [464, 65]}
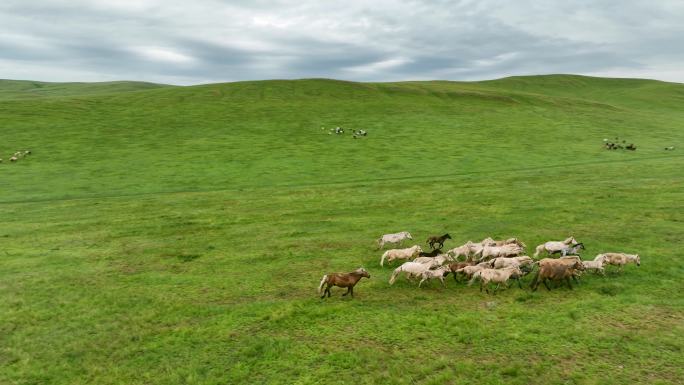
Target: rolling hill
{"type": "Point", "coordinates": [165, 234]}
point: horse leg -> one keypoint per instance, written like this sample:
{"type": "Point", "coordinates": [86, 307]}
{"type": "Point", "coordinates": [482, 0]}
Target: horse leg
{"type": "Point", "coordinates": [328, 290]}
{"type": "Point", "coordinates": [442, 279]}
{"type": "Point", "coordinates": [519, 284]}
{"type": "Point", "coordinates": [567, 279]}
{"type": "Point", "coordinates": [421, 282]}
{"type": "Point", "coordinates": [351, 291]}
{"type": "Point", "coordinates": [546, 284]}
{"type": "Point", "coordinates": [348, 290]}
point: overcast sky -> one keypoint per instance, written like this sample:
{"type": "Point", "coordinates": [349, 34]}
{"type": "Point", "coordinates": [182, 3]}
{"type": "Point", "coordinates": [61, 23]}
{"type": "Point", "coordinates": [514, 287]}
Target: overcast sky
{"type": "Point", "coordinates": [201, 41]}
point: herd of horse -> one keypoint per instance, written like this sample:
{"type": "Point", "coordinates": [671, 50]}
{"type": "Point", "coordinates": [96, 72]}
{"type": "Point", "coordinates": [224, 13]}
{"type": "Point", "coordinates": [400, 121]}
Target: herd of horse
{"type": "Point", "coordinates": [489, 261]}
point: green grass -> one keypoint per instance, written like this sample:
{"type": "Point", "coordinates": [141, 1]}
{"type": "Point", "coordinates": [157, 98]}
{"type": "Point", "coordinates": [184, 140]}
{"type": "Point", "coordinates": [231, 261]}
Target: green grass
{"type": "Point", "coordinates": [166, 235]}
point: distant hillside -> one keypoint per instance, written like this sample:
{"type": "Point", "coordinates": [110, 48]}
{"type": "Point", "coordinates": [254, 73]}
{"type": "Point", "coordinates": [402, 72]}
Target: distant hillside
{"type": "Point", "coordinates": [26, 89]}
{"type": "Point", "coordinates": [130, 138]}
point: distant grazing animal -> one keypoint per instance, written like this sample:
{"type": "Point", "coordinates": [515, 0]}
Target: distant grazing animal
{"type": "Point", "coordinates": [433, 240]}
{"type": "Point", "coordinates": [348, 280]}
{"type": "Point", "coordinates": [631, 147]}
{"type": "Point", "coordinates": [393, 254]}
{"type": "Point", "coordinates": [669, 148]}
{"type": "Point", "coordinates": [393, 238]}
{"type": "Point", "coordinates": [497, 276]}
{"type": "Point", "coordinates": [552, 246]}
{"type": "Point", "coordinates": [556, 270]}
{"type": "Point", "coordinates": [13, 159]}
{"type": "Point", "coordinates": [438, 273]}
{"type": "Point", "coordinates": [621, 259]}
{"type": "Point", "coordinates": [508, 250]}
{"type": "Point", "coordinates": [410, 270]}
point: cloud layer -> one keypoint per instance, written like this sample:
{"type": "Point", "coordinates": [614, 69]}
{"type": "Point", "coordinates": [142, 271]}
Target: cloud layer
{"type": "Point", "coordinates": [180, 42]}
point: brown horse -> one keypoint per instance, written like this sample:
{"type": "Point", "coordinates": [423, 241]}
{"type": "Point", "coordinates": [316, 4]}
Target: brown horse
{"type": "Point", "coordinates": [348, 280]}
{"type": "Point", "coordinates": [459, 265]}
{"type": "Point", "coordinates": [433, 240]}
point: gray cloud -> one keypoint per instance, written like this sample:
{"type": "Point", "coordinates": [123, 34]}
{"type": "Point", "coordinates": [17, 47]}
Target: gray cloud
{"type": "Point", "coordinates": [173, 41]}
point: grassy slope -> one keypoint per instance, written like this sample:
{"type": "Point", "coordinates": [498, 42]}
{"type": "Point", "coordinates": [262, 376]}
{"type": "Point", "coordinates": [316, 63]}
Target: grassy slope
{"type": "Point", "coordinates": [176, 235]}
{"type": "Point", "coordinates": [26, 89]}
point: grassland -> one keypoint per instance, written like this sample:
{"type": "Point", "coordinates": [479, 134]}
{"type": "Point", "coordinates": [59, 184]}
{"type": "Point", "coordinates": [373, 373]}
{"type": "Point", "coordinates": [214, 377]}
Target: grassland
{"type": "Point", "coordinates": [172, 235]}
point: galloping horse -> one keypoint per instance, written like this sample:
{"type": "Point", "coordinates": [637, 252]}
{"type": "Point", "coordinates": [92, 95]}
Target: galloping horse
{"type": "Point", "coordinates": [433, 240]}
{"type": "Point", "coordinates": [348, 280]}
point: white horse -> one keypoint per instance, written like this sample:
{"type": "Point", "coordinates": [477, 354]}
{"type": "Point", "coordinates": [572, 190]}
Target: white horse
{"type": "Point", "coordinates": [393, 254]}
{"type": "Point", "coordinates": [438, 273]}
{"type": "Point", "coordinates": [554, 246]}
{"type": "Point", "coordinates": [621, 259]}
{"type": "Point", "coordinates": [466, 250]}
{"type": "Point", "coordinates": [410, 269]}
{"type": "Point", "coordinates": [497, 276]}
{"type": "Point", "coordinates": [508, 250]}
{"type": "Point", "coordinates": [435, 261]}
{"type": "Point", "coordinates": [596, 265]}
{"type": "Point", "coordinates": [393, 238]}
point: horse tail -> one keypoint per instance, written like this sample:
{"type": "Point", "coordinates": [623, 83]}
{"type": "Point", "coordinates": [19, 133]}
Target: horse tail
{"type": "Point", "coordinates": [382, 259]}
{"type": "Point", "coordinates": [394, 275]}
{"type": "Point", "coordinates": [538, 250]}
{"type": "Point", "coordinates": [323, 281]}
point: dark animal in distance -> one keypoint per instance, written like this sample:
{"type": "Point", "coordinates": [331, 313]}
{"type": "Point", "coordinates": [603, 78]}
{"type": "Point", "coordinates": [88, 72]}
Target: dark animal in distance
{"type": "Point", "coordinates": [433, 240]}
{"type": "Point", "coordinates": [348, 280]}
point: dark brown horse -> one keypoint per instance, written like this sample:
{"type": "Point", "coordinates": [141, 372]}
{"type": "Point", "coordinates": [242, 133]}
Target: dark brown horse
{"type": "Point", "coordinates": [348, 280]}
{"type": "Point", "coordinates": [433, 240]}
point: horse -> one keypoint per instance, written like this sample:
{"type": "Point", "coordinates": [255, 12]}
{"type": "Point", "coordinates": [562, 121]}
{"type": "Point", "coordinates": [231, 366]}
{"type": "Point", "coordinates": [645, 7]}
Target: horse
{"type": "Point", "coordinates": [437, 240]}
{"type": "Point", "coordinates": [393, 238]}
{"type": "Point", "coordinates": [348, 280]}
{"type": "Point", "coordinates": [497, 276]}
{"type": "Point", "coordinates": [552, 246]}
{"type": "Point", "coordinates": [556, 270]}
{"type": "Point", "coordinates": [570, 250]}
{"type": "Point", "coordinates": [621, 259]}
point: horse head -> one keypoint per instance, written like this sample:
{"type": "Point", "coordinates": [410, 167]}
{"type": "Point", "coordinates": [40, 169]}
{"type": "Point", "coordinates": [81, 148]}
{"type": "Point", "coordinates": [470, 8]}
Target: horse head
{"type": "Point", "coordinates": [362, 272]}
